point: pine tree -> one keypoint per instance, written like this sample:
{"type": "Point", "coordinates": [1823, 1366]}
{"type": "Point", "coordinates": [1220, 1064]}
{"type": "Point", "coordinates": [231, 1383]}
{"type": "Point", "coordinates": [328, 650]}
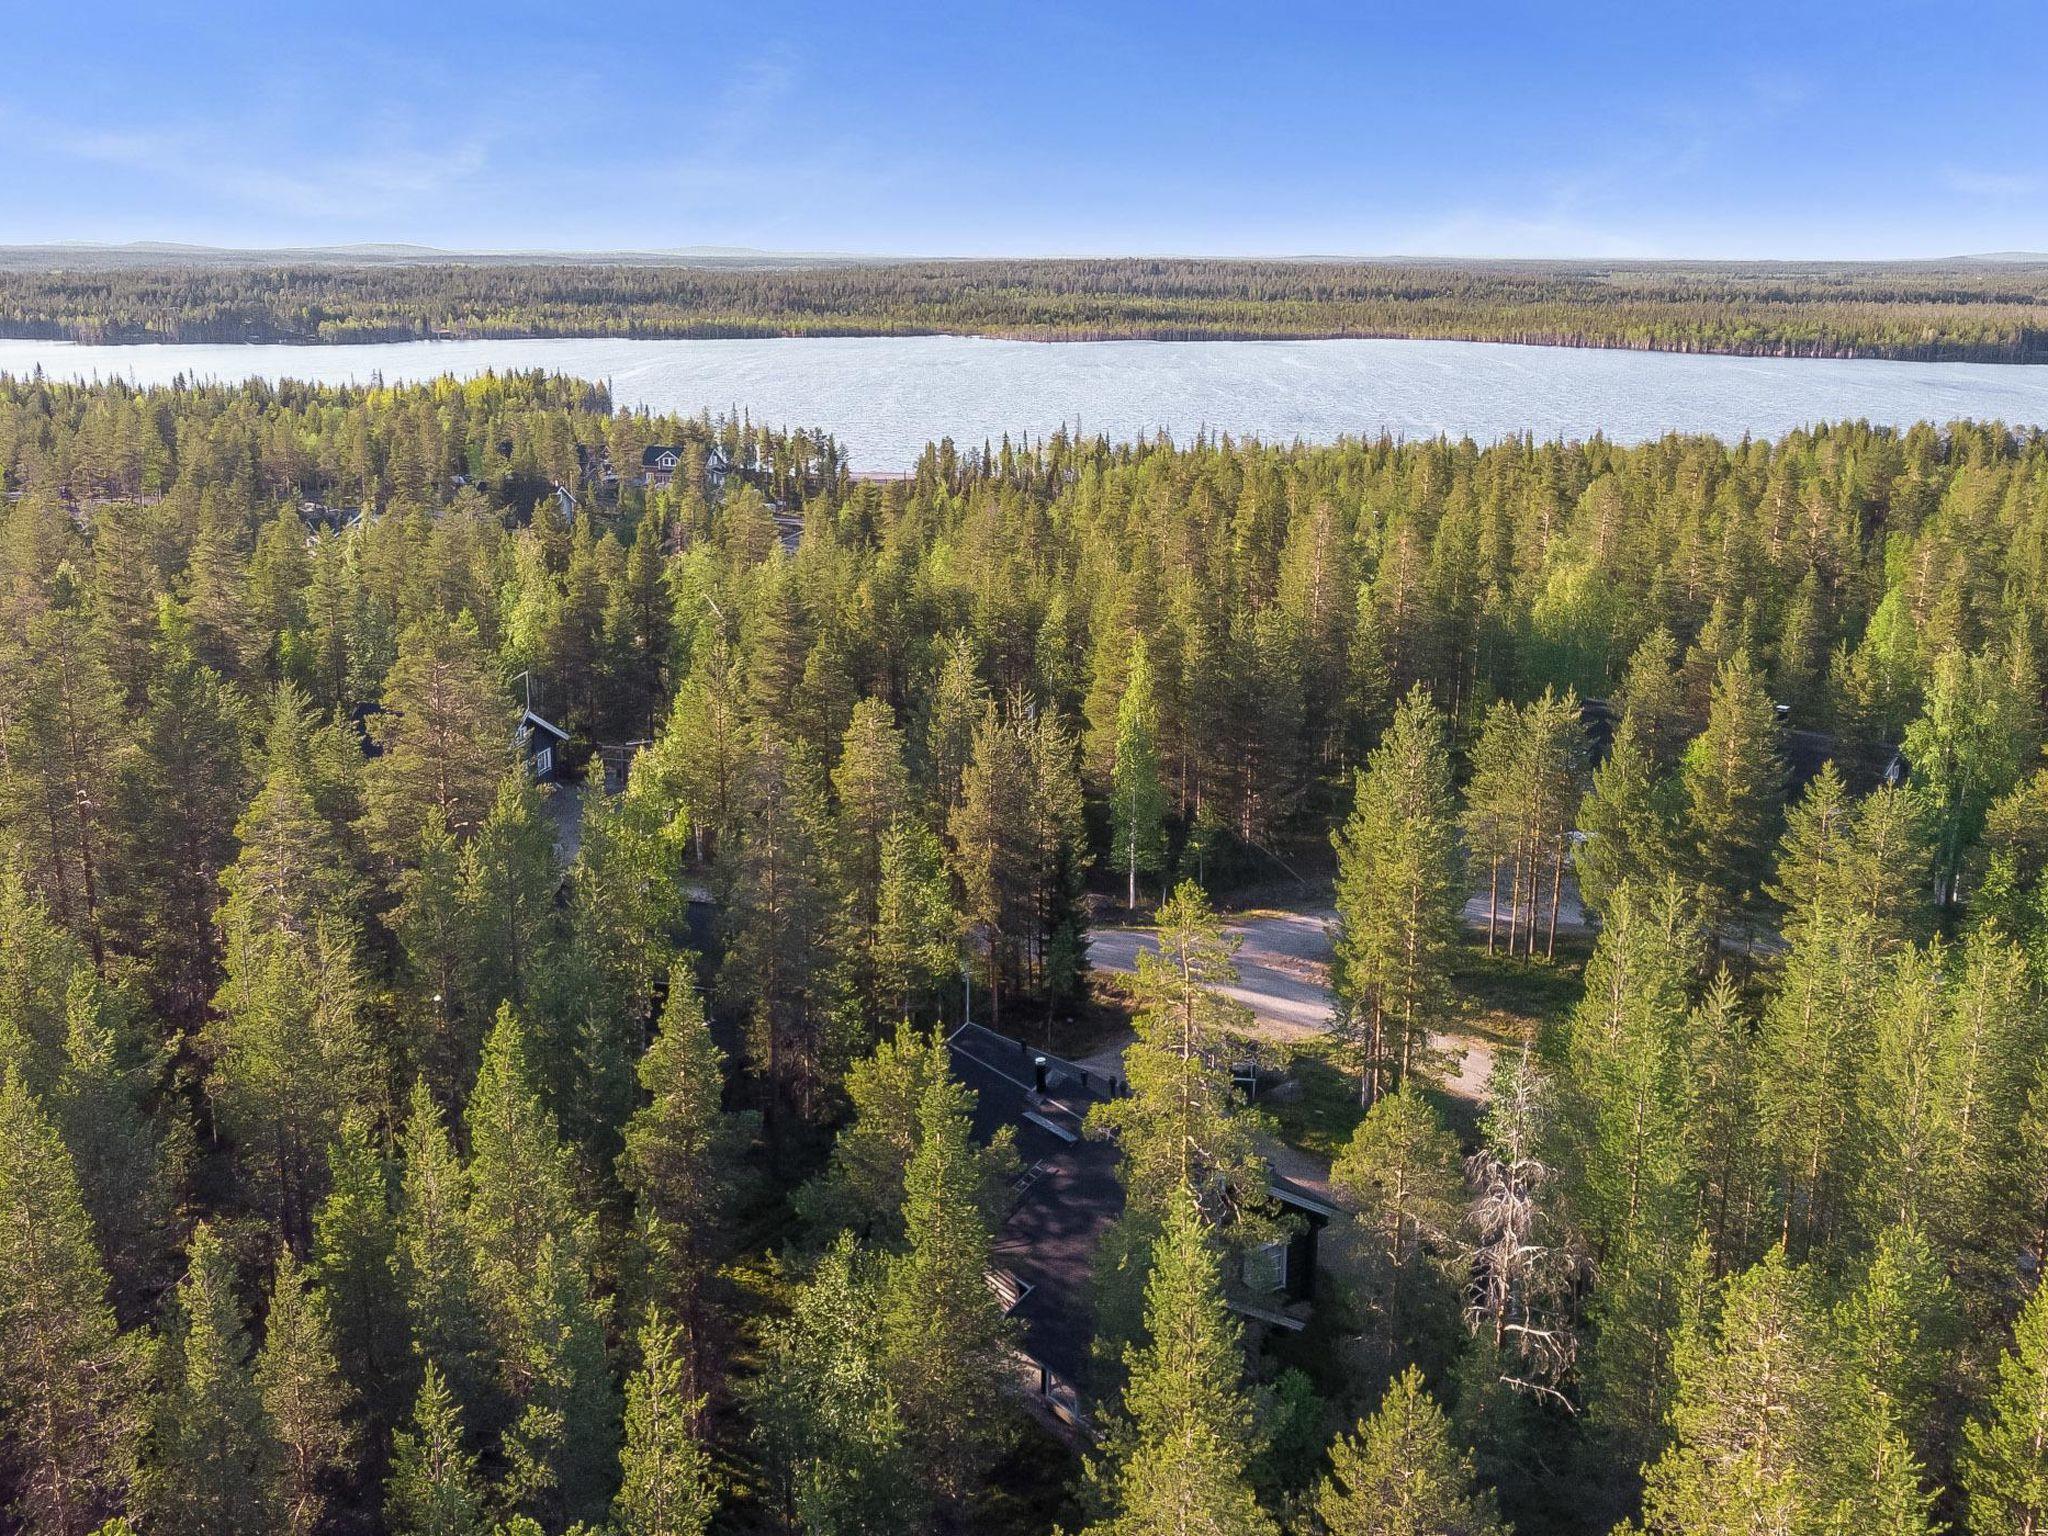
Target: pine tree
{"type": "Point", "coordinates": [355, 1247]}
{"type": "Point", "coordinates": [1400, 1175]}
{"type": "Point", "coordinates": [667, 1488]}
{"type": "Point", "coordinates": [917, 934]}
{"type": "Point", "coordinates": [1137, 799]}
{"type": "Point", "coordinates": [434, 1488]}
{"type": "Point", "coordinates": [944, 1340]}
{"type": "Point", "coordinates": [1488, 822]}
{"type": "Point", "coordinates": [1731, 781]}
{"type": "Point", "coordinates": [681, 1160]}
{"type": "Point", "coordinates": [444, 738]}
{"type": "Point", "coordinates": [292, 1056]}
{"type": "Point", "coordinates": [1747, 1428]}
{"type": "Point", "coordinates": [176, 801]}
{"type": "Point", "coordinates": [2004, 1461]}
{"type": "Point", "coordinates": [1177, 1458]}
{"type": "Point", "coordinates": [872, 786]}
{"type": "Point", "coordinates": [68, 1379]}
{"type": "Point", "coordinates": [826, 1418]}
{"type": "Point", "coordinates": [436, 1260]}
{"type": "Point", "coordinates": [65, 742]}
{"type": "Point", "coordinates": [1894, 1340]}
{"type": "Point", "coordinates": [1175, 1128]}
{"type": "Point", "coordinates": [305, 1400]}
{"type": "Point", "coordinates": [779, 915]}
{"type": "Point", "coordinates": [211, 1440]}
{"type": "Point", "coordinates": [695, 772]}
{"type": "Point", "coordinates": [1399, 894]}
{"type": "Point", "coordinates": [1402, 1475]}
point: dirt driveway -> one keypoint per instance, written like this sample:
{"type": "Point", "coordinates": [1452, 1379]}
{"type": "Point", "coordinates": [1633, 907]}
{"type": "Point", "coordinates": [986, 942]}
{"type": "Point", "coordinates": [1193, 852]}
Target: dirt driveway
{"type": "Point", "coordinates": [1283, 965]}
{"type": "Point", "coordinates": [1283, 962]}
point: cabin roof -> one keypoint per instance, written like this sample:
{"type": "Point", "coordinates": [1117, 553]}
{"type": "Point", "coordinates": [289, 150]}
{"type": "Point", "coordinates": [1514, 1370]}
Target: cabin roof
{"type": "Point", "coordinates": [531, 721]}
{"type": "Point", "coordinates": [1066, 1195]}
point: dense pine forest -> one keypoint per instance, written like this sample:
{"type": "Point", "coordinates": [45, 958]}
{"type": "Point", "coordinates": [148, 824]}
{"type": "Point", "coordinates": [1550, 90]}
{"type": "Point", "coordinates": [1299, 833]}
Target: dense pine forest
{"type": "Point", "coordinates": [393, 1142]}
{"type": "Point", "coordinates": [1971, 311]}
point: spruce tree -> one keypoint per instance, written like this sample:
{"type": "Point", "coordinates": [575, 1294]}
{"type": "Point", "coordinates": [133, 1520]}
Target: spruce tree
{"type": "Point", "coordinates": [1401, 1474]}
{"type": "Point", "coordinates": [437, 1263]}
{"type": "Point", "coordinates": [1625, 822]}
{"type": "Point", "coordinates": [862, 1189]}
{"type": "Point", "coordinates": [917, 958]}
{"type": "Point", "coordinates": [561, 1450]}
{"type": "Point", "coordinates": [128, 1141]}
{"type": "Point", "coordinates": [1731, 782]}
{"type": "Point", "coordinates": [354, 1264]}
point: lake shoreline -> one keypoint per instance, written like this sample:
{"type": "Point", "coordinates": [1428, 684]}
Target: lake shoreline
{"type": "Point", "coordinates": [886, 398]}
{"type": "Point", "coordinates": [1061, 337]}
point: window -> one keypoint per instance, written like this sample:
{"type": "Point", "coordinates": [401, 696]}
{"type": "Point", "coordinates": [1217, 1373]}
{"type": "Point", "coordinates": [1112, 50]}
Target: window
{"type": "Point", "coordinates": [1265, 1268]}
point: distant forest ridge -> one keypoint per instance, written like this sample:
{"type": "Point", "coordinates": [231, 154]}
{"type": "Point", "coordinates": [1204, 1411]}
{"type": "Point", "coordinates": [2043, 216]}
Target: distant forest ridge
{"type": "Point", "coordinates": [1982, 309]}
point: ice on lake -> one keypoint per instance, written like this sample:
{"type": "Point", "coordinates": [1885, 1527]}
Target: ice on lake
{"type": "Point", "coordinates": [884, 398]}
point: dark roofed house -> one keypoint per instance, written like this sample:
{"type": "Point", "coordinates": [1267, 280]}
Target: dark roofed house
{"type": "Point", "coordinates": [540, 744]}
{"type": "Point", "coordinates": [1063, 1202]}
{"type": "Point", "coordinates": [660, 461]}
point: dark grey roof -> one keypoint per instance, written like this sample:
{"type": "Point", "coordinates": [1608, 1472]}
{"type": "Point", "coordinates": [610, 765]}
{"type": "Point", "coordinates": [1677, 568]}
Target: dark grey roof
{"type": "Point", "coordinates": [654, 451]}
{"type": "Point", "coordinates": [1067, 1191]}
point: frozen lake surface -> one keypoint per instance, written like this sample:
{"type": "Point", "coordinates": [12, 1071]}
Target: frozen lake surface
{"type": "Point", "coordinates": [886, 397]}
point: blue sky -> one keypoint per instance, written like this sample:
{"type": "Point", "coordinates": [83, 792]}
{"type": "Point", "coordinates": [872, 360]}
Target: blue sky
{"type": "Point", "coordinates": [1465, 127]}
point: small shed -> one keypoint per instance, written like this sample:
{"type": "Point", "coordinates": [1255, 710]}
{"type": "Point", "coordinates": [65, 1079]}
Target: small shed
{"type": "Point", "coordinates": [541, 744]}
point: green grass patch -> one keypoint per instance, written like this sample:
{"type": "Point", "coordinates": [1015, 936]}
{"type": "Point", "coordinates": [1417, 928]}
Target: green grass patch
{"type": "Point", "coordinates": [1321, 1121]}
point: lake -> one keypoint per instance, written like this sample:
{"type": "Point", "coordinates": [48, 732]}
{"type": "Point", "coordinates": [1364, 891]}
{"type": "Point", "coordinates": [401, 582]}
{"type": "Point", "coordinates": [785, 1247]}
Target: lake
{"type": "Point", "coordinates": [885, 397]}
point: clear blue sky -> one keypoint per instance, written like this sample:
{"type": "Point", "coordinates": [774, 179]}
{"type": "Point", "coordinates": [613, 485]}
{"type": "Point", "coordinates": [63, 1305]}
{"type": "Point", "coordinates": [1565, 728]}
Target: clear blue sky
{"type": "Point", "coordinates": [1467, 127]}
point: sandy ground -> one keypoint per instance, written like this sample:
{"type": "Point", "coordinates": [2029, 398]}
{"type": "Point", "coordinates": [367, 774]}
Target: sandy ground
{"type": "Point", "coordinates": [1283, 963]}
